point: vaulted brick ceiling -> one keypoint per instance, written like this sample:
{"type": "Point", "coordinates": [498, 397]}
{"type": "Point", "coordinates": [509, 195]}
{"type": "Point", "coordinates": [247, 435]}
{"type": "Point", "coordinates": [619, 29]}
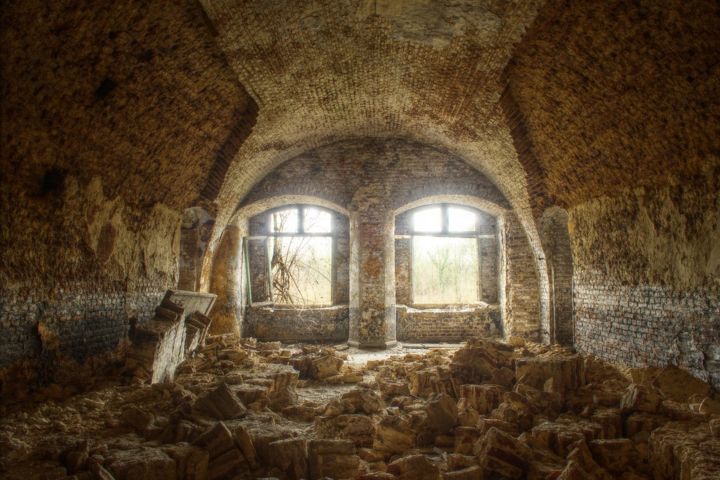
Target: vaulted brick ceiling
{"type": "Point", "coordinates": [322, 71]}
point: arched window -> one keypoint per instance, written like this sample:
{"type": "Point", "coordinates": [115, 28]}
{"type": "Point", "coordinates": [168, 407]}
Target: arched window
{"type": "Point", "coordinates": [294, 256]}
{"type": "Point", "coordinates": [450, 254]}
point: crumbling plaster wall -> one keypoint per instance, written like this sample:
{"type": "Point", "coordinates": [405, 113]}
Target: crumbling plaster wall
{"type": "Point", "coordinates": [383, 176]}
{"type": "Point", "coordinates": [102, 150]}
{"type": "Point", "coordinates": [617, 106]}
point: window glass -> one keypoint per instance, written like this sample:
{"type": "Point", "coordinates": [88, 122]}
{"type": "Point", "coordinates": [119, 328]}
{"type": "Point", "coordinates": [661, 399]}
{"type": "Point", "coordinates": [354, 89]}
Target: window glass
{"type": "Point", "coordinates": [461, 220]}
{"type": "Point", "coordinates": [317, 221]}
{"type": "Point", "coordinates": [428, 220]}
{"type": "Point", "coordinates": [284, 221]}
{"type": "Point", "coordinates": [301, 270]}
{"type": "Point", "coordinates": [445, 270]}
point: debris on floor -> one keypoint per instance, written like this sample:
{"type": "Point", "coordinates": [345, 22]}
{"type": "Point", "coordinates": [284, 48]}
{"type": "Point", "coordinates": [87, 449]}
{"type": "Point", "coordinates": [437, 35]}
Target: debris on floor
{"type": "Point", "coordinates": [241, 409]}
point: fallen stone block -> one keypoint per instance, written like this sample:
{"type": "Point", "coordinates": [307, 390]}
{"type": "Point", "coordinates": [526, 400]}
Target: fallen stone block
{"type": "Point", "coordinates": [615, 455]}
{"type": "Point", "coordinates": [477, 362]}
{"type": "Point", "coordinates": [430, 381]}
{"type": "Point", "coordinates": [290, 456]}
{"type": "Point", "coordinates": [216, 440]}
{"type": "Point", "coordinates": [414, 467]}
{"type": "Point", "coordinates": [220, 403]}
{"type": "Point", "coordinates": [282, 391]}
{"type": "Point", "coordinates": [482, 398]}
{"type": "Point", "coordinates": [360, 400]}
{"type": "Point", "coordinates": [554, 372]}
{"type": "Point", "coordinates": [244, 441]}
{"type": "Point", "coordinates": [191, 463]}
{"type": "Point", "coordinates": [500, 455]}
{"type": "Point", "coordinates": [465, 439]}
{"type": "Point", "coordinates": [333, 458]}
{"type": "Point", "coordinates": [226, 465]}
{"type": "Point", "coordinates": [469, 473]}
{"type": "Point", "coordinates": [141, 464]}
{"type": "Point", "coordinates": [442, 414]}
{"type": "Point", "coordinates": [358, 428]}
{"type": "Point", "coordinates": [560, 437]}
{"type": "Point", "coordinates": [394, 434]}
{"type": "Point", "coordinates": [640, 398]}
{"type": "Point", "coordinates": [197, 326]}
{"type": "Point", "coordinates": [513, 409]}
{"type": "Point", "coordinates": [581, 465]}
{"type": "Point", "coordinates": [158, 345]}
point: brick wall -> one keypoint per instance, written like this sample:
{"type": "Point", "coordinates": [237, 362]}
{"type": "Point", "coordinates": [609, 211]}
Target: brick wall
{"type": "Point", "coordinates": [287, 324]}
{"type": "Point", "coordinates": [521, 283]}
{"type": "Point", "coordinates": [647, 276]}
{"type": "Point", "coordinates": [372, 178]}
{"type": "Point", "coordinates": [641, 325]}
{"type": "Point", "coordinates": [558, 254]}
{"type": "Point", "coordinates": [80, 321]}
{"type": "Point", "coordinates": [447, 325]}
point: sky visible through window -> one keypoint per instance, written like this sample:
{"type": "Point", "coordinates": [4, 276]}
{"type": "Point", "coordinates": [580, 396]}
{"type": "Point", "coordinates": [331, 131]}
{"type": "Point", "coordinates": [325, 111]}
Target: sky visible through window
{"type": "Point", "coordinates": [445, 269]}
{"type": "Point", "coordinates": [301, 265]}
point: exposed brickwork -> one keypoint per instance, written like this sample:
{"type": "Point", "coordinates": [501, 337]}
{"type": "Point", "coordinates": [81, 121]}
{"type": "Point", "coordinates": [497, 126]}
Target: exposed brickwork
{"type": "Point", "coordinates": [112, 119]}
{"type": "Point", "coordinates": [558, 250]}
{"type": "Point", "coordinates": [648, 325]}
{"type": "Point", "coordinates": [619, 109]}
{"type": "Point", "coordinates": [446, 325]}
{"type": "Point", "coordinates": [372, 179]}
{"type": "Point", "coordinates": [328, 70]}
{"type": "Point", "coordinates": [521, 285]}
{"type": "Point", "coordinates": [647, 293]}
{"type": "Point", "coordinates": [287, 324]}
{"type": "Point", "coordinates": [81, 321]}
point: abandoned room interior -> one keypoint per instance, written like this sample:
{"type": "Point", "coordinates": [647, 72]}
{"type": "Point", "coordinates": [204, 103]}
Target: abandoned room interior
{"type": "Point", "coordinates": [360, 239]}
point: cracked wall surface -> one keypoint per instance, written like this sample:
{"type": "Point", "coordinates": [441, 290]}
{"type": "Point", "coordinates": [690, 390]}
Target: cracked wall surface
{"type": "Point", "coordinates": [117, 118]}
{"type": "Point", "coordinates": [112, 118]}
{"type": "Point", "coordinates": [620, 111]}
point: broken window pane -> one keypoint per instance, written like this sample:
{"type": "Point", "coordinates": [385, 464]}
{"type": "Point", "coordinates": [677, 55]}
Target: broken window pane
{"type": "Point", "coordinates": [445, 270]}
{"type": "Point", "coordinates": [428, 220]}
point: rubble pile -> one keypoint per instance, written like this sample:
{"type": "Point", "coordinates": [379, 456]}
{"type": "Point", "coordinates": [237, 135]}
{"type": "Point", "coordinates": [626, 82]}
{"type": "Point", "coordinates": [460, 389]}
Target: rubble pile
{"type": "Point", "coordinates": [241, 409]}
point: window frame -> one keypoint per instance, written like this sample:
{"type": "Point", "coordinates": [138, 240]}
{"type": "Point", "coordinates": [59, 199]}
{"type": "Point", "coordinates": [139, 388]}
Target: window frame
{"type": "Point", "coordinates": [445, 233]}
{"type": "Point", "coordinates": [270, 233]}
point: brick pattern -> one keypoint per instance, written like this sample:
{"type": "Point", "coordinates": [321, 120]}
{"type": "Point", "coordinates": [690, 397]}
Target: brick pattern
{"type": "Point", "coordinates": [521, 284]}
{"type": "Point", "coordinates": [80, 321]}
{"type": "Point", "coordinates": [372, 178]}
{"type": "Point", "coordinates": [648, 325]}
{"type": "Point", "coordinates": [558, 253]}
{"type": "Point", "coordinates": [329, 324]}
{"type": "Point", "coordinates": [115, 118]}
{"type": "Point", "coordinates": [447, 325]}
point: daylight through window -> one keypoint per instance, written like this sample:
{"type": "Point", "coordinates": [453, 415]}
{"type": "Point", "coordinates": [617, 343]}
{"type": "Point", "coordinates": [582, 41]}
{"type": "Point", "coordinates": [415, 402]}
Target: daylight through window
{"type": "Point", "coordinates": [300, 251]}
{"type": "Point", "coordinates": [445, 255]}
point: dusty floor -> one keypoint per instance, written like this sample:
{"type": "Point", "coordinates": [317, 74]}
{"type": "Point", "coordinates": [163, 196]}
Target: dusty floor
{"type": "Point", "coordinates": [477, 411]}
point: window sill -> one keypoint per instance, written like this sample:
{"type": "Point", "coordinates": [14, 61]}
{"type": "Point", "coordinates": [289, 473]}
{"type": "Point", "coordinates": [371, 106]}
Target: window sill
{"type": "Point", "coordinates": [450, 308]}
{"type": "Point", "coordinates": [296, 308]}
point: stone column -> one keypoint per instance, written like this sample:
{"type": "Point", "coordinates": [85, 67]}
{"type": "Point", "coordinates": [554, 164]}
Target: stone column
{"type": "Point", "coordinates": [224, 282]}
{"type": "Point", "coordinates": [372, 278]}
